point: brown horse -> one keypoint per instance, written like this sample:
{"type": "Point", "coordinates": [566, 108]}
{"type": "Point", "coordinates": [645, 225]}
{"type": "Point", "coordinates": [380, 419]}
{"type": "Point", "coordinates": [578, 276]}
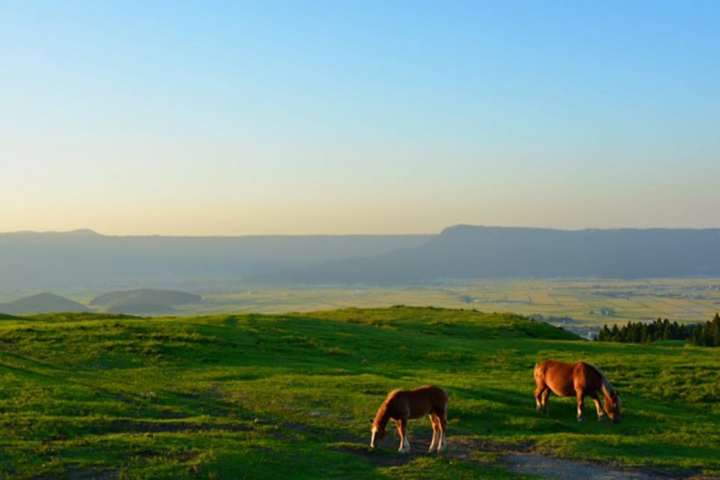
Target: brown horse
{"type": "Point", "coordinates": [404, 405]}
{"type": "Point", "coordinates": [576, 379]}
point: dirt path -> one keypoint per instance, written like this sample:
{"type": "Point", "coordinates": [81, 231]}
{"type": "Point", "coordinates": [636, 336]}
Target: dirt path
{"type": "Point", "coordinates": [520, 459]}
{"type": "Point", "coordinates": [562, 469]}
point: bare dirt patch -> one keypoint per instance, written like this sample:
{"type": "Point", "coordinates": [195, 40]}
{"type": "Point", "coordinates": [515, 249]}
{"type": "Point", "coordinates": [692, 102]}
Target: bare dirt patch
{"type": "Point", "coordinates": [518, 458]}
{"type": "Point", "coordinates": [563, 469]}
{"type": "Point", "coordinates": [386, 455]}
{"type": "Point", "coordinates": [376, 457]}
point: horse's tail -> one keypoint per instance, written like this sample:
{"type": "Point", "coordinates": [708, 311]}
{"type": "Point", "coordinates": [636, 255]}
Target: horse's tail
{"type": "Point", "coordinates": [607, 388]}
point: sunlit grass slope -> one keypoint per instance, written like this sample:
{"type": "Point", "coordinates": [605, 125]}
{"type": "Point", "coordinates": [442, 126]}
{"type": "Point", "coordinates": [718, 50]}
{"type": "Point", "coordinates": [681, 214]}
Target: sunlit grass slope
{"type": "Point", "coordinates": [290, 396]}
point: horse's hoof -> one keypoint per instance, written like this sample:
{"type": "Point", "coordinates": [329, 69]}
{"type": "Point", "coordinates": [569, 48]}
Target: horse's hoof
{"type": "Point", "coordinates": [602, 419]}
{"type": "Point", "coordinates": [581, 419]}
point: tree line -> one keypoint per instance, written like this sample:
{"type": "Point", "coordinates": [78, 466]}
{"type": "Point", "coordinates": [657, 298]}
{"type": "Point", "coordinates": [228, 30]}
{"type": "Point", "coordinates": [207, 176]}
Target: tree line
{"type": "Point", "coordinates": [704, 334]}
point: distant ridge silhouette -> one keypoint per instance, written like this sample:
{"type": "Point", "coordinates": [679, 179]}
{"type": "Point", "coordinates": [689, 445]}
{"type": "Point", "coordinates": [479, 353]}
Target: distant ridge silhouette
{"type": "Point", "coordinates": [86, 259]}
{"type": "Point", "coordinates": [464, 252]}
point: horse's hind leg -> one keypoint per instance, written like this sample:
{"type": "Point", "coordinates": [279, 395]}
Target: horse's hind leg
{"type": "Point", "coordinates": [541, 394]}
{"type": "Point", "coordinates": [435, 420]}
{"type": "Point", "coordinates": [538, 396]}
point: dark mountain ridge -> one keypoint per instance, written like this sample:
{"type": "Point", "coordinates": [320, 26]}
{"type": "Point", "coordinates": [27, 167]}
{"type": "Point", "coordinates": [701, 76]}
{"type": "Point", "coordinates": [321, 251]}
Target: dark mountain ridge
{"type": "Point", "coordinates": [464, 252]}
{"type": "Point", "coordinates": [83, 258]}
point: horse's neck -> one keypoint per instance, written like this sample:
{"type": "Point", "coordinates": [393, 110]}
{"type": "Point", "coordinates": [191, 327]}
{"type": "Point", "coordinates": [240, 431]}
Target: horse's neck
{"type": "Point", "coordinates": [382, 417]}
{"type": "Point", "coordinates": [605, 386]}
{"type": "Point", "coordinates": [608, 391]}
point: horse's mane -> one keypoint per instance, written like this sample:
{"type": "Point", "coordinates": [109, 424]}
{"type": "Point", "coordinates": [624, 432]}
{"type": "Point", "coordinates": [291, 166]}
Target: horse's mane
{"type": "Point", "coordinates": [392, 393]}
{"type": "Point", "coordinates": [382, 413]}
{"type": "Point", "coordinates": [608, 389]}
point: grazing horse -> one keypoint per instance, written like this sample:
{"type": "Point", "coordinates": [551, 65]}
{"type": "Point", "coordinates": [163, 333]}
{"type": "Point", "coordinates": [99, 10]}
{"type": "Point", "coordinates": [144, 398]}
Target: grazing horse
{"type": "Point", "coordinates": [404, 405]}
{"type": "Point", "coordinates": [579, 379]}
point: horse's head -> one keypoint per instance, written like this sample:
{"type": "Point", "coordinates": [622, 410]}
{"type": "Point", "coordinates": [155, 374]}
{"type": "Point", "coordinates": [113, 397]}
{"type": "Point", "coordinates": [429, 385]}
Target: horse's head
{"type": "Point", "coordinates": [377, 435]}
{"type": "Point", "coordinates": [612, 406]}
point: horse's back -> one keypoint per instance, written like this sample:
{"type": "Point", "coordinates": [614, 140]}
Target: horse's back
{"type": "Point", "coordinates": [420, 401]}
{"type": "Point", "coordinates": [434, 392]}
{"type": "Point", "coordinates": [556, 375]}
{"type": "Point", "coordinates": [435, 396]}
{"type": "Point", "coordinates": [551, 367]}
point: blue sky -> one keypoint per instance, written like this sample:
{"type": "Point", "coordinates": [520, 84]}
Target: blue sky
{"type": "Point", "coordinates": [334, 117]}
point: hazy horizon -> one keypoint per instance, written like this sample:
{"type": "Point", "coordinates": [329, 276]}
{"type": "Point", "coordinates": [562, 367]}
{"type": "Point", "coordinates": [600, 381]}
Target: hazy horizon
{"type": "Point", "coordinates": [231, 118]}
{"type": "Point", "coordinates": [90, 231]}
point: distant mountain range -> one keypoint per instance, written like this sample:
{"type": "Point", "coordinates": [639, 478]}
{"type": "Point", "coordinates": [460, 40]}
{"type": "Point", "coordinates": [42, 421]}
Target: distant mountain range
{"type": "Point", "coordinates": [85, 259]}
{"type": "Point", "coordinates": [465, 252]}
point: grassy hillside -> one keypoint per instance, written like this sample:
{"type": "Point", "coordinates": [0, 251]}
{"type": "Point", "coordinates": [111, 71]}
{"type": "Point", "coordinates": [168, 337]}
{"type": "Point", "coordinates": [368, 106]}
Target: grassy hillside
{"type": "Point", "coordinates": [259, 396]}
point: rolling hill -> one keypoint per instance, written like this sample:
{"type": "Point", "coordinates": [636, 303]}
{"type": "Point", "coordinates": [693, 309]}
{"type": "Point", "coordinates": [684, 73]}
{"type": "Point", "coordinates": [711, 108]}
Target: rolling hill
{"type": "Point", "coordinates": [143, 301]}
{"type": "Point", "coordinates": [498, 252]}
{"type": "Point", "coordinates": [42, 303]}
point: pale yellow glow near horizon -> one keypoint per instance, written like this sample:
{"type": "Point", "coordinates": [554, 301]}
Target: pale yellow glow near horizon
{"type": "Point", "coordinates": [219, 187]}
{"type": "Point", "coordinates": [310, 214]}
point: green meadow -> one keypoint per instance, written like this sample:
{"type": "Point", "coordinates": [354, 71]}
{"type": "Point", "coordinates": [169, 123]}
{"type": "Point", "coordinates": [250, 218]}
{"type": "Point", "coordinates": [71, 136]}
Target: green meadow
{"type": "Point", "coordinates": [290, 396]}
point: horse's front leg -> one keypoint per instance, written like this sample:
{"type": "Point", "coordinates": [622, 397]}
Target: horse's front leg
{"type": "Point", "coordinates": [581, 401]}
{"type": "Point", "coordinates": [598, 406]}
{"type": "Point", "coordinates": [402, 430]}
{"type": "Point", "coordinates": [442, 443]}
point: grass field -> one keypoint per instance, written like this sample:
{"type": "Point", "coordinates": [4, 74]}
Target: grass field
{"type": "Point", "coordinates": [289, 396]}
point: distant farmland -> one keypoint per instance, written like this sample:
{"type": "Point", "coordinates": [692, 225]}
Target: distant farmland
{"type": "Point", "coordinates": [590, 302]}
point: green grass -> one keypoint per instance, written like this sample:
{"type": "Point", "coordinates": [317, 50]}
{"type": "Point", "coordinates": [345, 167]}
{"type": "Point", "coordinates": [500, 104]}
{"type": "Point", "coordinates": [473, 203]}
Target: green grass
{"type": "Point", "coordinates": [259, 396]}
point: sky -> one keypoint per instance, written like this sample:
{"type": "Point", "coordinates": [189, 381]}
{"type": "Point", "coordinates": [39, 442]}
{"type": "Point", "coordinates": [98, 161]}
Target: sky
{"type": "Point", "coordinates": [343, 117]}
